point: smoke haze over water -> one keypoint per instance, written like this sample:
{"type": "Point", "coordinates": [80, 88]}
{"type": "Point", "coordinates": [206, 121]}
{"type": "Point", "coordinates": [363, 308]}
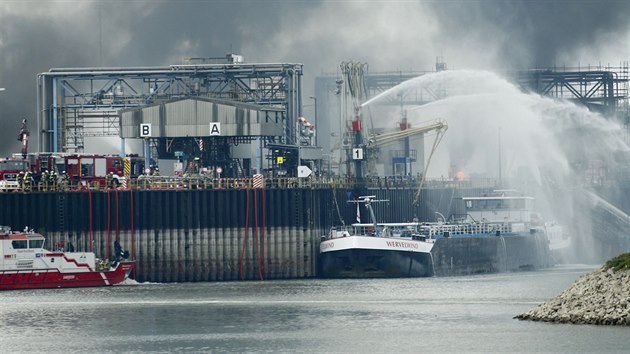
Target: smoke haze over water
{"type": "Point", "coordinates": [389, 35]}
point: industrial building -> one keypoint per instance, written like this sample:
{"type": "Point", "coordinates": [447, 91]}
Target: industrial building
{"type": "Point", "coordinates": [227, 120]}
{"type": "Point", "coordinates": [603, 89]}
{"type": "Point", "coordinates": [238, 118]}
{"type": "Point", "coordinates": [76, 104]}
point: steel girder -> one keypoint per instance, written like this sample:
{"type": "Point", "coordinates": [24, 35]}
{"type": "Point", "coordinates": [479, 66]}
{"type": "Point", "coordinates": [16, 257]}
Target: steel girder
{"type": "Point", "coordinates": [600, 90]}
{"type": "Point", "coordinates": [65, 95]}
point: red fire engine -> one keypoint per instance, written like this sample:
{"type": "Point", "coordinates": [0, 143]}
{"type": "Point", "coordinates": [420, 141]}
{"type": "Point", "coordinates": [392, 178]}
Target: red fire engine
{"type": "Point", "coordinates": [94, 168]}
{"type": "Point", "coordinates": [85, 168]}
{"type": "Point", "coordinates": [9, 170]}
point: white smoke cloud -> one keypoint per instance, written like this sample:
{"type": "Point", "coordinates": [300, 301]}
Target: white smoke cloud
{"type": "Point", "coordinates": [486, 113]}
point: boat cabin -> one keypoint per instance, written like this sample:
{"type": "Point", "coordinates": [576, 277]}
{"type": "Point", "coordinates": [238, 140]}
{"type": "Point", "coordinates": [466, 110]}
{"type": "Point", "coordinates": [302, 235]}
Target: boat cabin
{"type": "Point", "coordinates": [502, 208]}
{"type": "Point", "coordinates": [25, 250]}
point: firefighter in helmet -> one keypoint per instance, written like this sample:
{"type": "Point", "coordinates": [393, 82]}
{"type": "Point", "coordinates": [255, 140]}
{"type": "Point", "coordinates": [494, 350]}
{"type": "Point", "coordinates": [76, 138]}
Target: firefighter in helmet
{"type": "Point", "coordinates": [20, 180]}
{"type": "Point", "coordinates": [109, 180]}
{"type": "Point", "coordinates": [65, 179]}
{"type": "Point", "coordinates": [52, 180]}
{"type": "Point", "coordinates": [28, 181]}
{"type": "Point", "coordinates": [44, 179]}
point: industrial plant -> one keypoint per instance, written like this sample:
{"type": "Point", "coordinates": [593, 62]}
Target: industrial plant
{"type": "Point", "coordinates": [223, 169]}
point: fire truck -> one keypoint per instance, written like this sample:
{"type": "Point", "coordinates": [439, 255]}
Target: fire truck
{"type": "Point", "coordinates": [93, 169]}
{"type": "Point", "coordinates": [86, 169]}
{"type": "Point", "coordinates": [43, 161]}
{"type": "Point", "coordinates": [9, 170]}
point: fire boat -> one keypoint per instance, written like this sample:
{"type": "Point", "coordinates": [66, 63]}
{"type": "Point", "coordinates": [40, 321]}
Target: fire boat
{"type": "Point", "coordinates": [25, 264]}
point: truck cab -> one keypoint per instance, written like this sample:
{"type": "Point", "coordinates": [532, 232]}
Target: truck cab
{"type": "Point", "coordinates": [9, 171]}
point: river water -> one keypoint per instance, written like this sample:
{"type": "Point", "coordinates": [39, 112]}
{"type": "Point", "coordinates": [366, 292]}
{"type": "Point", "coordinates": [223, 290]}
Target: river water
{"type": "Point", "coordinates": [453, 314]}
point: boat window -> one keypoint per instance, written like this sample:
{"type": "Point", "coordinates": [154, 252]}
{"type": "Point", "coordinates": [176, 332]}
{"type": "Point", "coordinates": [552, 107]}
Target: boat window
{"type": "Point", "coordinates": [18, 244]}
{"type": "Point", "coordinates": [35, 243]}
{"type": "Point", "coordinates": [477, 204]}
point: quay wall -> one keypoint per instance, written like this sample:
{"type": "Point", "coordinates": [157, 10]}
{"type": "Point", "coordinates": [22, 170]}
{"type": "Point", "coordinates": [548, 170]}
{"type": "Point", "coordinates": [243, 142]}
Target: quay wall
{"type": "Point", "coordinates": [183, 235]}
{"type": "Point", "coordinates": [235, 234]}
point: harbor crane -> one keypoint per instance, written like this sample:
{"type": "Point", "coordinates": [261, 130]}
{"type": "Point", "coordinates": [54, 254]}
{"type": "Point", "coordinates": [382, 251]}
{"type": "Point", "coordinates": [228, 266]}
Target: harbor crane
{"type": "Point", "coordinates": [377, 140]}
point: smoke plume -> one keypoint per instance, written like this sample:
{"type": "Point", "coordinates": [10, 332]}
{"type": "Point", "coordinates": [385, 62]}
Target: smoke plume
{"type": "Point", "coordinates": [389, 35]}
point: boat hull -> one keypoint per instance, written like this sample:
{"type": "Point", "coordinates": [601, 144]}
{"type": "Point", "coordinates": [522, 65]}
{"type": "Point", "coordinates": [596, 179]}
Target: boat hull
{"type": "Point", "coordinates": [374, 257]}
{"type": "Point", "coordinates": [52, 278]}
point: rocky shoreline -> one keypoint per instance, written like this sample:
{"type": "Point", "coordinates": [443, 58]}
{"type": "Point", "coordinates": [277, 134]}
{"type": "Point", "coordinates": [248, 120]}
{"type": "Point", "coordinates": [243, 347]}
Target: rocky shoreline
{"type": "Point", "coordinates": [601, 297]}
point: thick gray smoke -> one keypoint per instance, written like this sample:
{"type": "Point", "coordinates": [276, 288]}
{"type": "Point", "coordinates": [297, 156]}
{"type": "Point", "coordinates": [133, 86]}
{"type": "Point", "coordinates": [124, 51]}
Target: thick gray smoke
{"type": "Point", "coordinates": [390, 35]}
{"type": "Point", "coordinates": [538, 33]}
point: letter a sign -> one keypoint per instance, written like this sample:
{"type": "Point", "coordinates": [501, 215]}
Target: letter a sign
{"type": "Point", "coordinates": [145, 130]}
{"type": "Point", "coordinates": [215, 129]}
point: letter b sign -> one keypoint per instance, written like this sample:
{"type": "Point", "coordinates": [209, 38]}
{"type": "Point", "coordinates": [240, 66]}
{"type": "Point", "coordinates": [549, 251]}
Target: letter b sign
{"type": "Point", "coordinates": [145, 130]}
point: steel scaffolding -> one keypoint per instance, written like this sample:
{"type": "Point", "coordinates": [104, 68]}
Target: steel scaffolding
{"type": "Point", "coordinates": [602, 89]}
{"type": "Point", "coordinates": [75, 103]}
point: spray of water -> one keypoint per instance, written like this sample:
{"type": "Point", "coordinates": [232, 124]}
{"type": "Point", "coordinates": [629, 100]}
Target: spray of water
{"type": "Point", "coordinates": [496, 130]}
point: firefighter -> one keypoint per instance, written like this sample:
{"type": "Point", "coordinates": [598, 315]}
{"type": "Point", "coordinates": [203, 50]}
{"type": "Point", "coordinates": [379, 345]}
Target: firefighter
{"type": "Point", "coordinates": [65, 180]}
{"type": "Point", "coordinates": [28, 181]}
{"type": "Point", "coordinates": [52, 180]}
{"type": "Point", "coordinates": [44, 179]}
{"type": "Point", "coordinates": [20, 180]}
{"type": "Point", "coordinates": [109, 180]}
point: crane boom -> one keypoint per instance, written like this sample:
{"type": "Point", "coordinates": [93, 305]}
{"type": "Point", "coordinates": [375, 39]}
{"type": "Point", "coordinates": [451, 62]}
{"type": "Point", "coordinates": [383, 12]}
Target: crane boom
{"type": "Point", "coordinates": [441, 130]}
{"type": "Point", "coordinates": [439, 126]}
{"type": "Point", "coordinates": [385, 138]}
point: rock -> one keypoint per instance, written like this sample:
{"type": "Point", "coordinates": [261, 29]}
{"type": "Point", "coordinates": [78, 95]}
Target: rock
{"type": "Point", "coordinates": [600, 297]}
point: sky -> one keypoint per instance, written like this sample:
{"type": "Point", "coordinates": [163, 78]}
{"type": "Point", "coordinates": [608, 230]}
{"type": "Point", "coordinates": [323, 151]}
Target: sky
{"type": "Point", "coordinates": [389, 35]}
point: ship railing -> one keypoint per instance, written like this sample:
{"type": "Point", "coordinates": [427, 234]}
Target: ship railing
{"type": "Point", "coordinates": [338, 232]}
{"type": "Point", "coordinates": [206, 182]}
{"type": "Point", "coordinates": [151, 182]}
{"type": "Point", "coordinates": [441, 230]}
{"type": "Point", "coordinates": [201, 182]}
{"type": "Point", "coordinates": [388, 229]}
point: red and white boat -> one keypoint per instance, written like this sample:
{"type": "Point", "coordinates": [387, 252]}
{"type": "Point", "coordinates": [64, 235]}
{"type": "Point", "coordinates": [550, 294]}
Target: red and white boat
{"type": "Point", "coordinates": [25, 264]}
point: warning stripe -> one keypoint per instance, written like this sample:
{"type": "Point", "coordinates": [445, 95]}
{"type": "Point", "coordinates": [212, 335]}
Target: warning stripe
{"type": "Point", "coordinates": [104, 278]}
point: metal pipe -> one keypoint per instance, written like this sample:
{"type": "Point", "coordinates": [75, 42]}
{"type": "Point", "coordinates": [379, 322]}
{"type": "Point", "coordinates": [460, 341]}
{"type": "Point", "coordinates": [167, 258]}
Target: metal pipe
{"type": "Point", "coordinates": [55, 121]}
{"type": "Point", "coordinates": [173, 69]}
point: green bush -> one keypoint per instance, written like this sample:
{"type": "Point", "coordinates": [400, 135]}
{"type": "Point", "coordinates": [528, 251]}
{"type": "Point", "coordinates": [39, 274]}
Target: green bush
{"type": "Point", "coordinates": [620, 262]}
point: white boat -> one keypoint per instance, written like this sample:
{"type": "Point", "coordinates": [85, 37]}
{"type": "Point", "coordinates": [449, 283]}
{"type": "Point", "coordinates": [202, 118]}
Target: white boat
{"type": "Point", "coordinates": [505, 213]}
{"type": "Point", "coordinates": [26, 264]}
{"type": "Point", "coordinates": [387, 250]}
{"type": "Point", "coordinates": [500, 213]}
{"type": "Point", "coordinates": [506, 206]}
